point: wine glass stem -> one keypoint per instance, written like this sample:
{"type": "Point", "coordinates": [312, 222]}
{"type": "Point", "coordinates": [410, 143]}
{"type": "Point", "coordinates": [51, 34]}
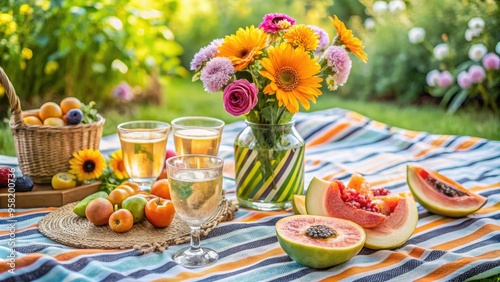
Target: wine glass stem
{"type": "Point", "coordinates": [195, 240]}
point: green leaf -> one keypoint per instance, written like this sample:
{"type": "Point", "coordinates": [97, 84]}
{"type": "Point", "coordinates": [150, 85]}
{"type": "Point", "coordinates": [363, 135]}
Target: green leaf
{"type": "Point", "coordinates": [447, 96]}
{"type": "Point", "coordinates": [458, 100]}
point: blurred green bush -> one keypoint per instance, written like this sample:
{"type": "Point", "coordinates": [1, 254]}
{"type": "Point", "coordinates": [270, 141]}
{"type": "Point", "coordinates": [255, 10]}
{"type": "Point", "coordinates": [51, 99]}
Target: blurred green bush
{"type": "Point", "coordinates": [81, 48]}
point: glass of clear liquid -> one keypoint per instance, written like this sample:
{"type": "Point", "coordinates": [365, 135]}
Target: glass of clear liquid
{"type": "Point", "coordinates": [197, 135]}
{"type": "Point", "coordinates": [196, 190]}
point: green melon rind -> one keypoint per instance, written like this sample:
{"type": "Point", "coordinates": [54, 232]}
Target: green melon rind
{"type": "Point", "coordinates": [390, 239]}
{"type": "Point", "coordinates": [413, 180]}
{"type": "Point", "coordinates": [298, 204]}
{"type": "Point", "coordinates": [317, 190]}
{"type": "Point", "coordinates": [319, 257]}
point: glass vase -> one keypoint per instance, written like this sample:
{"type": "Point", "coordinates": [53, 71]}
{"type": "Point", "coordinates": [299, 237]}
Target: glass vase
{"type": "Point", "coordinates": [269, 165]}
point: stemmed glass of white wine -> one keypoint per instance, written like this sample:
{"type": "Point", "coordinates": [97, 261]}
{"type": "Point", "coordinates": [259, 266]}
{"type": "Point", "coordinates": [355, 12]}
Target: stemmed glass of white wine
{"type": "Point", "coordinates": [197, 135]}
{"type": "Point", "coordinates": [143, 145]}
{"type": "Point", "coordinates": [196, 190]}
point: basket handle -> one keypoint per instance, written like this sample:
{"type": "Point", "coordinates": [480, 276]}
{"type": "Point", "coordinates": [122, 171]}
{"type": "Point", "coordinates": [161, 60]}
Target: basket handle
{"type": "Point", "coordinates": [15, 104]}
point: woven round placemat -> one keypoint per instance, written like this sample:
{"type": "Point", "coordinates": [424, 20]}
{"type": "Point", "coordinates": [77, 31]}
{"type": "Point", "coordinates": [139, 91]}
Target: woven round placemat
{"type": "Point", "coordinates": [67, 228]}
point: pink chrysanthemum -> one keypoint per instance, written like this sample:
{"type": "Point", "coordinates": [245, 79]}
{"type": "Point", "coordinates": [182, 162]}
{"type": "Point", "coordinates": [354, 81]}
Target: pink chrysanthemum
{"type": "Point", "coordinates": [338, 60]}
{"type": "Point", "coordinates": [205, 54]}
{"type": "Point", "coordinates": [323, 38]}
{"type": "Point", "coordinates": [477, 74]}
{"type": "Point", "coordinates": [217, 73]}
{"type": "Point", "coordinates": [274, 23]}
{"type": "Point", "coordinates": [491, 61]}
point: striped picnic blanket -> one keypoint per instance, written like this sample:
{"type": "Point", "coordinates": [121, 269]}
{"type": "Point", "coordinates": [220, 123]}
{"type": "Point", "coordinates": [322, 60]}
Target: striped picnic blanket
{"type": "Point", "coordinates": [339, 143]}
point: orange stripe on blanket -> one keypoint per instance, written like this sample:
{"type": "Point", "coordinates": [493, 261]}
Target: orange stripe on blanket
{"type": "Point", "coordinates": [31, 211]}
{"type": "Point", "coordinates": [393, 259]}
{"type": "Point", "coordinates": [483, 230]}
{"type": "Point", "coordinates": [229, 266]}
{"type": "Point", "coordinates": [19, 229]}
{"type": "Point", "coordinates": [451, 267]}
{"type": "Point", "coordinates": [327, 135]}
{"type": "Point", "coordinates": [493, 208]}
{"type": "Point", "coordinates": [73, 254]}
{"type": "Point", "coordinates": [331, 176]}
{"type": "Point", "coordinates": [259, 215]}
{"type": "Point", "coordinates": [433, 224]}
{"type": "Point", "coordinates": [20, 262]}
{"type": "Point", "coordinates": [486, 187]}
{"type": "Point", "coordinates": [467, 144]}
{"type": "Point", "coordinates": [440, 140]}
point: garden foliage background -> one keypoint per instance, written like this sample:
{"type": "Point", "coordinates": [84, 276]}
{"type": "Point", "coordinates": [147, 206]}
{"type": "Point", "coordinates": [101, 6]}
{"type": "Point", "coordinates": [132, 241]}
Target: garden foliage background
{"type": "Point", "coordinates": [86, 48]}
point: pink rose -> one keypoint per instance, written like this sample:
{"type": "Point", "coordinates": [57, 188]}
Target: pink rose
{"type": "Point", "coordinates": [240, 97]}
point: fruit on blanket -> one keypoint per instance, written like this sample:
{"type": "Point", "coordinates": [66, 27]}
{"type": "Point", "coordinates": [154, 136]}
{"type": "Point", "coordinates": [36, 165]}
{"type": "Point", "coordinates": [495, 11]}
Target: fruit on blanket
{"type": "Point", "coordinates": [6, 175]}
{"type": "Point", "coordinates": [161, 189]}
{"type": "Point", "coordinates": [299, 204]}
{"type": "Point", "coordinates": [333, 199]}
{"type": "Point", "coordinates": [397, 228]}
{"type": "Point", "coordinates": [50, 109]}
{"type": "Point", "coordinates": [318, 241]}
{"type": "Point", "coordinates": [121, 220]}
{"type": "Point", "coordinates": [440, 194]}
{"type": "Point", "coordinates": [98, 211]}
{"type": "Point", "coordinates": [160, 212]}
{"type": "Point", "coordinates": [23, 184]}
{"type": "Point", "coordinates": [79, 209]}
{"type": "Point", "coordinates": [135, 204]}
{"type": "Point", "coordinates": [63, 180]}
{"type": "Point", "coordinates": [74, 116]}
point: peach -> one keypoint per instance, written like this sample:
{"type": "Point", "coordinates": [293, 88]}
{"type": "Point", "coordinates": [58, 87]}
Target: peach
{"type": "Point", "coordinates": [98, 211]}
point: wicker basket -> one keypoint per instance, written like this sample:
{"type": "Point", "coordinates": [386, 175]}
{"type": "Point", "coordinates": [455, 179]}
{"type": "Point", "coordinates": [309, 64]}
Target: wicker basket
{"type": "Point", "coordinates": [43, 151]}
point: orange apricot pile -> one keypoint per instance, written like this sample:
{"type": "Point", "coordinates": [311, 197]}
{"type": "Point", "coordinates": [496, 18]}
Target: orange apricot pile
{"type": "Point", "coordinates": [52, 114]}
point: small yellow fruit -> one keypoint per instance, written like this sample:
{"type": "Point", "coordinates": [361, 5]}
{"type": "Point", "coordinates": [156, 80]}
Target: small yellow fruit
{"type": "Point", "coordinates": [31, 120]}
{"type": "Point", "coordinates": [63, 180]}
{"type": "Point", "coordinates": [53, 121]}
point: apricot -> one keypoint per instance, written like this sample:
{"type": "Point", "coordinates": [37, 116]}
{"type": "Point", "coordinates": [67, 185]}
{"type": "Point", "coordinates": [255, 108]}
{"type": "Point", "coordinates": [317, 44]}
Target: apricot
{"type": "Point", "coordinates": [98, 211]}
{"type": "Point", "coordinates": [32, 120]}
{"type": "Point", "coordinates": [53, 121]}
{"type": "Point", "coordinates": [70, 103]}
{"type": "Point", "coordinates": [50, 109]}
{"type": "Point", "coordinates": [117, 196]}
{"type": "Point", "coordinates": [121, 221]}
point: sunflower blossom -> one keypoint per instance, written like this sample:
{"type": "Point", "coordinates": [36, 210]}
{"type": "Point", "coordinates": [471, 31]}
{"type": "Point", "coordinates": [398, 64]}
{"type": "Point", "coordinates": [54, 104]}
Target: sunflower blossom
{"type": "Point", "coordinates": [116, 163]}
{"type": "Point", "coordinates": [302, 36]}
{"type": "Point", "coordinates": [352, 43]}
{"type": "Point", "coordinates": [243, 47]}
{"type": "Point", "coordinates": [87, 164]}
{"type": "Point", "coordinates": [293, 77]}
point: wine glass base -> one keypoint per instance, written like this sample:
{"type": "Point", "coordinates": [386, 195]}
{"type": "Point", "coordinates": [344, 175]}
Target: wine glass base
{"type": "Point", "coordinates": [199, 258]}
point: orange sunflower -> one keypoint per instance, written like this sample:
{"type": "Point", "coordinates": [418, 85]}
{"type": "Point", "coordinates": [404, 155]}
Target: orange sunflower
{"type": "Point", "coordinates": [87, 164]}
{"type": "Point", "coordinates": [292, 74]}
{"type": "Point", "coordinates": [302, 36]}
{"type": "Point", "coordinates": [352, 43]}
{"type": "Point", "coordinates": [116, 163]}
{"type": "Point", "coordinates": [243, 47]}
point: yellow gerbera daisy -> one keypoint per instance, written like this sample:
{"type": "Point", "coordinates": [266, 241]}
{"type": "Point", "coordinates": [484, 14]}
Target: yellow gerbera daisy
{"type": "Point", "coordinates": [116, 163]}
{"type": "Point", "coordinates": [87, 164]}
{"type": "Point", "coordinates": [302, 36]}
{"type": "Point", "coordinates": [243, 47]}
{"type": "Point", "coordinates": [352, 43]}
{"type": "Point", "coordinates": [292, 74]}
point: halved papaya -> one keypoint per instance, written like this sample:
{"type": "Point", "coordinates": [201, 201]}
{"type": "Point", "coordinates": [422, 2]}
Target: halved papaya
{"type": "Point", "coordinates": [440, 194]}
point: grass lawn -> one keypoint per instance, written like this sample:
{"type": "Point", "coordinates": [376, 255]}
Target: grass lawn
{"type": "Point", "coordinates": [183, 97]}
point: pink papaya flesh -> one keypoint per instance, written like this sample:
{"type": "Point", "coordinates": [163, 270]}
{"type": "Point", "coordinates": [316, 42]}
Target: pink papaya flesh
{"type": "Point", "coordinates": [442, 195]}
{"type": "Point", "coordinates": [338, 208]}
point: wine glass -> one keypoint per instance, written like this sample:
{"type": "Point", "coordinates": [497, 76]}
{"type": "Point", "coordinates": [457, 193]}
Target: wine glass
{"type": "Point", "coordinates": [197, 135]}
{"type": "Point", "coordinates": [143, 145]}
{"type": "Point", "coordinates": [196, 190]}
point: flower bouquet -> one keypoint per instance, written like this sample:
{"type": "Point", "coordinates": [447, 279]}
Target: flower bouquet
{"type": "Point", "coordinates": [265, 73]}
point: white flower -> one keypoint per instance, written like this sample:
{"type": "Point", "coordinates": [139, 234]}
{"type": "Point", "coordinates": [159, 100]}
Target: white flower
{"type": "Point", "coordinates": [379, 6]}
{"type": "Point", "coordinates": [497, 48]}
{"type": "Point", "coordinates": [470, 34]}
{"type": "Point", "coordinates": [416, 35]}
{"type": "Point", "coordinates": [432, 78]}
{"type": "Point", "coordinates": [477, 51]}
{"type": "Point", "coordinates": [396, 6]}
{"type": "Point", "coordinates": [476, 24]}
{"type": "Point", "coordinates": [369, 23]}
{"type": "Point", "coordinates": [441, 51]}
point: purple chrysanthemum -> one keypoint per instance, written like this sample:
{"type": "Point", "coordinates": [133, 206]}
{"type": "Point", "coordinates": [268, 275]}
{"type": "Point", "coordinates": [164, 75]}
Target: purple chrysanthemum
{"type": "Point", "coordinates": [323, 38]}
{"type": "Point", "coordinates": [206, 53]}
{"type": "Point", "coordinates": [338, 60]}
{"type": "Point", "coordinates": [491, 61]}
{"type": "Point", "coordinates": [273, 23]}
{"type": "Point", "coordinates": [477, 74]}
{"type": "Point", "coordinates": [445, 79]}
{"type": "Point", "coordinates": [217, 73]}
